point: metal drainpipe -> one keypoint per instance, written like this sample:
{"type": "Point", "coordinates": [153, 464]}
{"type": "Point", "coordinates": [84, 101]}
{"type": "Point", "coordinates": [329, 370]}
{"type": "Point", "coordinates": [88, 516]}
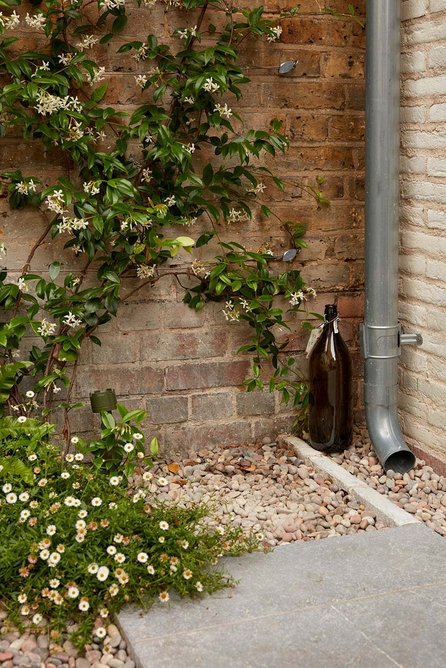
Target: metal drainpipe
{"type": "Point", "coordinates": [381, 333]}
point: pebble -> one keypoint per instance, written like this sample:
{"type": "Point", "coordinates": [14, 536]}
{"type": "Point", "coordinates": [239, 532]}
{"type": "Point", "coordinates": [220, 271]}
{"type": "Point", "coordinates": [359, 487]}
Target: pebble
{"type": "Point", "coordinates": [420, 491]}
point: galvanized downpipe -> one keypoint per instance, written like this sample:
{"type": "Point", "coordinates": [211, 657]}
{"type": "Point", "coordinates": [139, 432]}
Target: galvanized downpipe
{"type": "Point", "coordinates": [381, 333]}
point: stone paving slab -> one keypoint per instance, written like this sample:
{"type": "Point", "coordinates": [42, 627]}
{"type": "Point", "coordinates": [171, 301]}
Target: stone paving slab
{"type": "Point", "coordinates": [366, 600]}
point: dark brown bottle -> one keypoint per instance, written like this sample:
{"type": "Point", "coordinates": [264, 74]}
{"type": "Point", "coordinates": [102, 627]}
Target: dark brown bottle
{"type": "Point", "coordinates": [330, 400]}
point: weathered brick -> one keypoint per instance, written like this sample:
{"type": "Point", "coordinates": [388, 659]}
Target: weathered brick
{"type": "Point", "coordinates": [193, 436]}
{"type": "Point", "coordinates": [255, 403]}
{"type": "Point", "coordinates": [215, 406]}
{"type": "Point", "coordinates": [125, 379]}
{"type": "Point", "coordinates": [202, 374]}
{"type": "Point", "coordinates": [117, 348]}
{"type": "Point", "coordinates": [179, 344]}
{"type": "Point", "coordinates": [167, 410]}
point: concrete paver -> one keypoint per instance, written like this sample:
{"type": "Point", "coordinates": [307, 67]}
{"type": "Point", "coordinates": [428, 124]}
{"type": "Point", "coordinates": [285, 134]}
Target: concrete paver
{"type": "Point", "coordinates": [372, 599]}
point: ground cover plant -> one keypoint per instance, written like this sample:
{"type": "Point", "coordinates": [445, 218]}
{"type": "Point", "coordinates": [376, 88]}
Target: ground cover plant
{"type": "Point", "coordinates": [78, 541]}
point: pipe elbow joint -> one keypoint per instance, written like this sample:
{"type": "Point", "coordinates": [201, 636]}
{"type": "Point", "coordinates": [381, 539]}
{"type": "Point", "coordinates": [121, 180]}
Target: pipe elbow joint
{"type": "Point", "coordinates": [387, 438]}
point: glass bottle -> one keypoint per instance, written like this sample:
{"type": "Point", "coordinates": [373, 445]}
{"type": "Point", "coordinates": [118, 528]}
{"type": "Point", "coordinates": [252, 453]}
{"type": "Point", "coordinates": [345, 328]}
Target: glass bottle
{"type": "Point", "coordinates": [330, 400]}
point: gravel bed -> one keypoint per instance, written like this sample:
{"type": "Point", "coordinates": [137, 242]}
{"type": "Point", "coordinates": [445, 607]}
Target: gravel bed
{"type": "Point", "coordinates": [265, 488]}
{"type": "Point", "coordinates": [421, 491]}
{"type": "Point", "coordinates": [31, 651]}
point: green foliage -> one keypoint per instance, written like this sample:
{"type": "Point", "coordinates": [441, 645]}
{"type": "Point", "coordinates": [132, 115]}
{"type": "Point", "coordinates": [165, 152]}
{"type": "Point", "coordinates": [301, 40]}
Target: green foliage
{"type": "Point", "coordinates": [77, 543]}
{"type": "Point", "coordinates": [182, 160]}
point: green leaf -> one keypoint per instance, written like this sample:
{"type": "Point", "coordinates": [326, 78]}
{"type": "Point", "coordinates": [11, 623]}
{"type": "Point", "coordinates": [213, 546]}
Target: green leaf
{"type": "Point", "coordinates": [54, 270]}
{"type": "Point", "coordinates": [108, 420]}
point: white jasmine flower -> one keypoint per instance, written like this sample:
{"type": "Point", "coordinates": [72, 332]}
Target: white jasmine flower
{"type": "Point", "coordinates": [65, 58]}
{"type": "Point", "coordinates": [210, 86]}
{"type": "Point", "coordinates": [223, 110]}
{"type": "Point", "coordinates": [274, 34]}
{"type": "Point", "coordinates": [141, 80]}
{"type": "Point", "coordinates": [144, 271]}
{"type": "Point", "coordinates": [71, 320]}
{"type": "Point", "coordinates": [88, 41]}
{"type": "Point", "coordinates": [46, 328]}
{"type": "Point", "coordinates": [9, 22]}
{"type": "Point", "coordinates": [170, 201]}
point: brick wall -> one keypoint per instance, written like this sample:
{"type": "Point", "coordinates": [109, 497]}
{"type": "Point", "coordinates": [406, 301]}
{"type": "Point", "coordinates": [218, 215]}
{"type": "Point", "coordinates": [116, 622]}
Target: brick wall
{"type": "Point", "coordinates": [182, 365]}
{"type": "Point", "coordinates": [423, 239]}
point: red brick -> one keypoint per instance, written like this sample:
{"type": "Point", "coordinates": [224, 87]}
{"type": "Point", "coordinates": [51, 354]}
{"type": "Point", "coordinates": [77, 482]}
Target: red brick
{"type": "Point", "coordinates": [347, 128]}
{"type": "Point", "coordinates": [309, 94]}
{"type": "Point", "coordinates": [320, 30]}
{"type": "Point", "coordinates": [343, 65]}
{"type": "Point", "coordinates": [351, 306]}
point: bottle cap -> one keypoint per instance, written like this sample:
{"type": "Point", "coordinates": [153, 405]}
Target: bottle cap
{"type": "Point", "coordinates": [330, 312]}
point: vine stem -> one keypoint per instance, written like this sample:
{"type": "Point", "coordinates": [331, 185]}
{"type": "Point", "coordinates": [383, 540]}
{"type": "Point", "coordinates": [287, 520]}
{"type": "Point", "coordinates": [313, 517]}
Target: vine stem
{"type": "Point", "coordinates": [66, 431]}
{"type": "Point", "coordinates": [38, 243]}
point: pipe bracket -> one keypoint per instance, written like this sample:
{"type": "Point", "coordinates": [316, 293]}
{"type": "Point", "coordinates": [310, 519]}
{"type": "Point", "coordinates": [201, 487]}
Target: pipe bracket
{"type": "Point", "coordinates": [380, 342]}
{"type": "Point", "coordinates": [411, 339]}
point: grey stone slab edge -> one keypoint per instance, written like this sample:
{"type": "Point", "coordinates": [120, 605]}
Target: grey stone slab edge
{"type": "Point", "coordinates": [385, 510]}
